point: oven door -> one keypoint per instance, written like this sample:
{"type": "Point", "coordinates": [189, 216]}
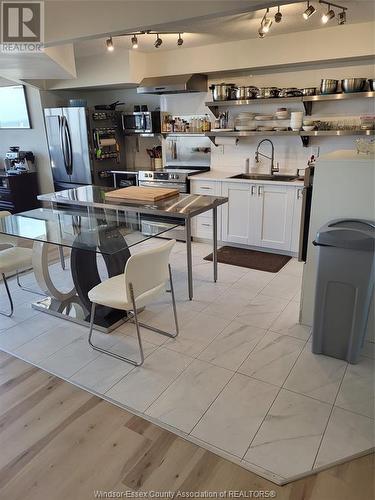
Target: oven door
{"type": "Point", "coordinates": [135, 123]}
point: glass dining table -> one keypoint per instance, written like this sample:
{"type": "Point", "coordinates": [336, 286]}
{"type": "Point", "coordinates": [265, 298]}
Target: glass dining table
{"type": "Point", "coordinates": [100, 243]}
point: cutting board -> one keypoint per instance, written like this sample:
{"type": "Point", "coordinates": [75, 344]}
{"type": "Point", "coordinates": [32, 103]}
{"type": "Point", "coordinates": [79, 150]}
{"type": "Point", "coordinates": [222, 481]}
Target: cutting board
{"type": "Point", "coordinates": [142, 193]}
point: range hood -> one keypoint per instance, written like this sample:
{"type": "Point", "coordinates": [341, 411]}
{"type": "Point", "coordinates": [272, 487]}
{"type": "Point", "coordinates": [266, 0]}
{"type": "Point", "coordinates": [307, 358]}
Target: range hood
{"type": "Point", "coordinates": [173, 84]}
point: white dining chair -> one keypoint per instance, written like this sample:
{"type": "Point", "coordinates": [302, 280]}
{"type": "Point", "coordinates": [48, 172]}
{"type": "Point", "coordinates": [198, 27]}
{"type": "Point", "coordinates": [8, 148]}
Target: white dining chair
{"type": "Point", "coordinates": [144, 279]}
{"type": "Point", "coordinates": [12, 259]}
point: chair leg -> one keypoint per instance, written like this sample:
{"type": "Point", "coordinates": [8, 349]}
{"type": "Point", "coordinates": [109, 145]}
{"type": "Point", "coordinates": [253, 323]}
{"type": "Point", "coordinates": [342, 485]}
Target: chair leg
{"type": "Point", "coordinates": [8, 314]}
{"type": "Point", "coordinates": [110, 353]}
{"type": "Point", "coordinates": [163, 332]}
{"type": "Point", "coordinates": [25, 289]}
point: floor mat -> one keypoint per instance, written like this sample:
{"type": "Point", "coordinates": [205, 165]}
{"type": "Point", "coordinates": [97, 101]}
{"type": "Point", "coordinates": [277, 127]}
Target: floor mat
{"type": "Point", "coordinates": [242, 257]}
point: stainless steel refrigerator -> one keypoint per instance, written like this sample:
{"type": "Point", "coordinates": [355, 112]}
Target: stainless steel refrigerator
{"type": "Point", "coordinates": [85, 145]}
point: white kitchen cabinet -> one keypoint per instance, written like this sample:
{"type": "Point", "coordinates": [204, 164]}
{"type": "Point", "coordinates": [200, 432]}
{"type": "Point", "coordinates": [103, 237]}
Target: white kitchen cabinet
{"type": "Point", "coordinates": [261, 215]}
{"type": "Point", "coordinates": [273, 216]}
{"type": "Point", "coordinates": [297, 212]}
{"type": "Point", "coordinates": [236, 214]}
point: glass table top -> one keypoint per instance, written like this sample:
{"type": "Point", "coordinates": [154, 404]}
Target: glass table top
{"type": "Point", "coordinates": [101, 231]}
{"type": "Point", "coordinates": [181, 206]}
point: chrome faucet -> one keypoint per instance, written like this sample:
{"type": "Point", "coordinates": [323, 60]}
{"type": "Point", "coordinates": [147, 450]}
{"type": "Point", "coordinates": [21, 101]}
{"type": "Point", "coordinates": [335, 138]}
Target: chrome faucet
{"type": "Point", "coordinates": [274, 168]}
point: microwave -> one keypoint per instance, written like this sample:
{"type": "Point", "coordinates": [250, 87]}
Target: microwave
{"type": "Point", "coordinates": [142, 122]}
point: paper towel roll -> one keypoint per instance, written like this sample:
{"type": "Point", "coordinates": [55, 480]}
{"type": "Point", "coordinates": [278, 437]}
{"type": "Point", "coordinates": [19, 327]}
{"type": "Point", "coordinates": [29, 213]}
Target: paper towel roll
{"type": "Point", "coordinates": [108, 142]}
{"type": "Point", "coordinates": [226, 141]}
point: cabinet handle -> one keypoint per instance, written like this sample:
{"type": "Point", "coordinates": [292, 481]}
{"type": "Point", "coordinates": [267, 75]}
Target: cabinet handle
{"type": "Point", "coordinates": [208, 225]}
{"type": "Point", "coordinates": [252, 190]}
{"type": "Point", "coordinates": [204, 187]}
{"type": "Point", "coordinates": [260, 190]}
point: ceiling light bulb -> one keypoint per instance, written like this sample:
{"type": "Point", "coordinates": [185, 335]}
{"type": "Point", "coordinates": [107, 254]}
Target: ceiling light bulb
{"type": "Point", "coordinates": [134, 42]}
{"type": "Point", "coordinates": [278, 16]}
{"type": "Point", "coordinates": [328, 16]}
{"type": "Point", "coordinates": [109, 44]}
{"type": "Point", "coordinates": [180, 40]}
{"type": "Point", "coordinates": [267, 25]}
{"type": "Point", "coordinates": [158, 42]}
{"type": "Point", "coordinates": [261, 32]}
{"type": "Point", "coordinates": [309, 11]}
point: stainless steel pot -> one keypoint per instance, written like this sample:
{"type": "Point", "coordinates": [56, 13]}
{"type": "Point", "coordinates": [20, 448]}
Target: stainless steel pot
{"type": "Point", "coordinates": [353, 84]}
{"type": "Point", "coordinates": [371, 83]}
{"type": "Point", "coordinates": [245, 93]}
{"type": "Point", "coordinates": [308, 91]}
{"type": "Point", "coordinates": [267, 92]}
{"type": "Point", "coordinates": [221, 91]}
{"type": "Point", "coordinates": [328, 86]}
{"type": "Point", "coordinates": [290, 92]}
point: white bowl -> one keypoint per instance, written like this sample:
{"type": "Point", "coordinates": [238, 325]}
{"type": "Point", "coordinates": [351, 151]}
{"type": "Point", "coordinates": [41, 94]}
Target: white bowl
{"type": "Point", "coordinates": [308, 128]}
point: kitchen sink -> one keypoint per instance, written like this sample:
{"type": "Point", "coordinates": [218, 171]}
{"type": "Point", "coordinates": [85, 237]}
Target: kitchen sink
{"type": "Point", "coordinates": [265, 177]}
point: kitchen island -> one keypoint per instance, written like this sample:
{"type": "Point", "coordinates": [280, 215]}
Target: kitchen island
{"type": "Point", "coordinates": [181, 208]}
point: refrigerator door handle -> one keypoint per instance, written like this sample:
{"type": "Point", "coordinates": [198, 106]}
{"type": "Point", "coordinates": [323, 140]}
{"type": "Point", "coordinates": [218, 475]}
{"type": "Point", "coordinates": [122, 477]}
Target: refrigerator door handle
{"type": "Point", "coordinates": [62, 142]}
{"type": "Point", "coordinates": [69, 148]}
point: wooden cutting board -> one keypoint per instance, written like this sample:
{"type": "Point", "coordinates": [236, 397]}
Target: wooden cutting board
{"type": "Point", "coordinates": [142, 193]}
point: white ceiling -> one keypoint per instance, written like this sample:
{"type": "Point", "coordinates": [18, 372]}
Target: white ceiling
{"type": "Point", "coordinates": [235, 27]}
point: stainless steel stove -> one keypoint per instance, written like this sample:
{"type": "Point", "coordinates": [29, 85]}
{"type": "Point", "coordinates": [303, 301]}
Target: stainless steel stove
{"type": "Point", "coordinates": [169, 177]}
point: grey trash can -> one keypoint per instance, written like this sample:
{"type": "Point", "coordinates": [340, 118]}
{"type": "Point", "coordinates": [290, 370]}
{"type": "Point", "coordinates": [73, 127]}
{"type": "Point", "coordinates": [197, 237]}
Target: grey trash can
{"type": "Point", "coordinates": [344, 287]}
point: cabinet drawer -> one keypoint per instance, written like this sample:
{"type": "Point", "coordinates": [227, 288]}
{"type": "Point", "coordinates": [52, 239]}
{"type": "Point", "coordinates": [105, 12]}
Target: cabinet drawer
{"type": "Point", "coordinates": [205, 187]}
{"type": "Point", "coordinates": [203, 227]}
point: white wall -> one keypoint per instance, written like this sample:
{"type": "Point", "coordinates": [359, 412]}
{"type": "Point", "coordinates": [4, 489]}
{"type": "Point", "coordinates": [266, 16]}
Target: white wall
{"type": "Point", "coordinates": [33, 139]}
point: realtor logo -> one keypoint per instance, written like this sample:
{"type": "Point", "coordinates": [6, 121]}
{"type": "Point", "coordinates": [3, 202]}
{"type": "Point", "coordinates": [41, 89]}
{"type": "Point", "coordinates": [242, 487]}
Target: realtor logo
{"type": "Point", "coordinates": [22, 26]}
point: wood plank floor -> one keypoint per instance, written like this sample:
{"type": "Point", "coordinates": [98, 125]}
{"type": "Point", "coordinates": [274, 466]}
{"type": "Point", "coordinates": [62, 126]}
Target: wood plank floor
{"type": "Point", "coordinates": [60, 442]}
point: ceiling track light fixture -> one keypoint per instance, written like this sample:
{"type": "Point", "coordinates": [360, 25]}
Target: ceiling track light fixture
{"type": "Point", "coordinates": [109, 44]}
{"type": "Point", "coordinates": [134, 42]}
{"type": "Point", "coordinates": [278, 15]}
{"type": "Point", "coordinates": [134, 38]}
{"type": "Point", "coordinates": [158, 41]}
{"type": "Point", "coordinates": [330, 14]}
{"type": "Point", "coordinates": [265, 25]}
{"type": "Point", "coordinates": [310, 10]}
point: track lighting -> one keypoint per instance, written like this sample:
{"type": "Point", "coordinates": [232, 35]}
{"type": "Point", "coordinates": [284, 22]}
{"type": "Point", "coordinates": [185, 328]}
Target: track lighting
{"type": "Point", "coordinates": [109, 44]}
{"type": "Point", "coordinates": [342, 17]}
{"type": "Point", "coordinates": [330, 14]}
{"type": "Point", "coordinates": [180, 40]}
{"type": "Point", "coordinates": [309, 11]}
{"type": "Point", "coordinates": [278, 15]}
{"type": "Point", "coordinates": [265, 25]}
{"type": "Point", "coordinates": [134, 42]}
{"type": "Point", "coordinates": [158, 41]}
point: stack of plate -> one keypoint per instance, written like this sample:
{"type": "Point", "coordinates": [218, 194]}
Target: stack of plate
{"type": "Point", "coordinates": [244, 121]}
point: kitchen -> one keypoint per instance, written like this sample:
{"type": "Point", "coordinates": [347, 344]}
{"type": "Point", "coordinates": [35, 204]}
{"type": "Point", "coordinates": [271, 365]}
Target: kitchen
{"type": "Point", "coordinates": [250, 147]}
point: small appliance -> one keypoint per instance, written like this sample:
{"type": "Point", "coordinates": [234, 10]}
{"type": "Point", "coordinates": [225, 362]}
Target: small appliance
{"type": "Point", "coordinates": [142, 122]}
{"type": "Point", "coordinates": [19, 162]}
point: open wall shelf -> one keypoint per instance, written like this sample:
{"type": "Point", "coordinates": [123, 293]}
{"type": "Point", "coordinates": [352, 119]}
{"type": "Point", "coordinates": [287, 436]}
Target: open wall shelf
{"type": "Point", "coordinates": [305, 136]}
{"type": "Point", "coordinates": [307, 101]}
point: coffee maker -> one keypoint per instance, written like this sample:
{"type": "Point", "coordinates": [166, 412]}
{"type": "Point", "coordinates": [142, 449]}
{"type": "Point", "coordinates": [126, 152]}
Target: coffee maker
{"type": "Point", "coordinates": [19, 162]}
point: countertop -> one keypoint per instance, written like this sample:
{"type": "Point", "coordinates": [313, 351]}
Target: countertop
{"type": "Point", "coordinates": [225, 175]}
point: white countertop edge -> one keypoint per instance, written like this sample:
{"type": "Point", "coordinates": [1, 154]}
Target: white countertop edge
{"type": "Point", "coordinates": [219, 176]}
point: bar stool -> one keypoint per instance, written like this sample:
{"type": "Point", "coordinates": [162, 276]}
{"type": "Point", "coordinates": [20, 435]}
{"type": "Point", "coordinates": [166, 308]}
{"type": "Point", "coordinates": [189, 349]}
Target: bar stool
{"type": "Point", "coordinates": [144, 279]}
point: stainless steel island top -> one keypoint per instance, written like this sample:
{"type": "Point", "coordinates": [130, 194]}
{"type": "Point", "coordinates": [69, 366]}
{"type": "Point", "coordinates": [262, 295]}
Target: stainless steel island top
{"type": "Point", "coordinates": [183, 206]}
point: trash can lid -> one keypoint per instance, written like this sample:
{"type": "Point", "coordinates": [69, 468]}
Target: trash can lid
{"type": "Point", "coordinates": [353, 234]}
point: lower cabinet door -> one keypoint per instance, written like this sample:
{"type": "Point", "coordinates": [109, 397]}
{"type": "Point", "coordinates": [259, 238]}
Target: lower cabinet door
{"type": "Point", "coordinates": [273, 216]}
{"type": "Point", "coordinates": [236, 227]}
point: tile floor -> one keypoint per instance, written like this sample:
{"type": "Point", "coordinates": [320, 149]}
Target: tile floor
{"type": "Point", "coordinates": [240, 379]}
